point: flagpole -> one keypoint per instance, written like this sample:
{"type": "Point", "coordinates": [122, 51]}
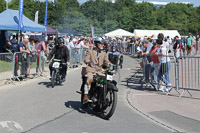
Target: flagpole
{"type": "Point", "coordinates": [6, 4]}
{"type": "Point", "coordinates": [45, 19]}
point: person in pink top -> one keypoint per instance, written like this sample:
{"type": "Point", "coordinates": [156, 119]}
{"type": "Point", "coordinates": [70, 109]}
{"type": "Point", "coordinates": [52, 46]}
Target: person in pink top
{"type": "Point", "coordinates": [43, 48]}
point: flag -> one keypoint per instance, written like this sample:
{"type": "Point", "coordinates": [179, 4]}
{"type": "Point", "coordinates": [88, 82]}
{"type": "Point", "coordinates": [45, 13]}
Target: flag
{"type": "Point", "coordinates": [21, 6]}
{"type": "Point", "coordinates": [92, 31]}
{"type": "Point", "coordinates": [46, 12]}
{"type": "Point", "coordinates": [53, 3]}
{"type": "Point", "coordinates": [36, 16]}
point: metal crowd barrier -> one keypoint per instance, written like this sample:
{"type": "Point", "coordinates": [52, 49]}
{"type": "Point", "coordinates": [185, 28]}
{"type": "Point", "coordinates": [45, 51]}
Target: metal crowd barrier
{"type": "Point", "coordinates": [132, 49]}
{"type": "Point", "coordinates": [82, 55]}
{"type": "Point", "coordinates": [189, 73]}
{"type": "Point", "coordinates": [154, 69]}
{"type": "Point", "coordinates": [184, 73]}
{"type": "Point", "coordinates": [21, 62]}
{"type": "Point", "coordinates": [77, 56]}
{"type": "Point", "coordinates": [6, 65]}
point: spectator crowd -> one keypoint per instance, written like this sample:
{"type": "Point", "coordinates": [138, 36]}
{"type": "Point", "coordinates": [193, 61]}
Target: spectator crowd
{"type": "Point", "coordinates": [154, 49]}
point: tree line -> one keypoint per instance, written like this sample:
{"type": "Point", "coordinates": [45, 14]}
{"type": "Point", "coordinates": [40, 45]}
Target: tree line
{"type": "Point", "coordinates": [107, 16]}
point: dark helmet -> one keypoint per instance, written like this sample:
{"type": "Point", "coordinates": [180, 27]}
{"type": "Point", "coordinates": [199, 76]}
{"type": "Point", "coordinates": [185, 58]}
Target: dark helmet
{"type": "Point", "coordinates": [114, 48]}
{"type": "Point", "coordinates": [60, 40]}
{"type": "Point", "coordinates": [98, 40]}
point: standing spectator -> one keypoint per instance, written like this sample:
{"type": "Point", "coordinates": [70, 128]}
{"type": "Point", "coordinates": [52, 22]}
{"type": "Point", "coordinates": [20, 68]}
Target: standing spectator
{"type": "Point", "coordinates": [14, 49]}
{"type": "Point", "coordinates": [183, 45]}
{"type": "Point", "coordinates": [14, 42]}
{"type": "Point", "coordinates": [197, 44]}
{"type": "Point", "coordinates": [119, 44]}
{"type": "Point", "coordinates": [82, 43]}
{"type": "Point", "coordinates": [44, 51]}
{"type": "Point", "coordinates": [15, 46]}
{"type": "Point", "coordinates": [164, 67]}
{"type": "Point", "coordinates": [37, 42]}
{"type": "Point", "coordinates": [169, 40]}
{"type": "Point", "coordinates": [166, 43]}
{"type": "Point", "coordinates": [66, 40]}
{"type": "Point", "coordinates": [124, 45]}
{"type": "Point", "coordinates": [31, 48]}
{"type": "Point", "coordinates": [156, 63]}
{"type": "Point", "coordinates": [72, 44]}
{"type": "Point", "coordinates": [189, 44]}
{"type": "Point", "coordinates": [90, 43]}
{"type": "Point", "coordinates": [176, 47]}
{"type": "Point", "coordinates": [147, 59]}
{"type": "Point", "coordinates": [133, 45]}
{"type": "Point", "coordinates": [23, 49]}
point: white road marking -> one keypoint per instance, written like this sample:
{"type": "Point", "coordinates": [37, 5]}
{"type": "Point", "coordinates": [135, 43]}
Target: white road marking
{"type": "Point", "coordinates": [127, 68]}
{"type": "Point", "coordinates": [5, 124]}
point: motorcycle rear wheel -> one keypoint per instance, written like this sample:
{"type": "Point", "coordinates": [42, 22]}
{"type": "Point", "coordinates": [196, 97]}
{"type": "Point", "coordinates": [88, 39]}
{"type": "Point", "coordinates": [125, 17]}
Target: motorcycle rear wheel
{"type": "Point", "coordinates": [110, 109]}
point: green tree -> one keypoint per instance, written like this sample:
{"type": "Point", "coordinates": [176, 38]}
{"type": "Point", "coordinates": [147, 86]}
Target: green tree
{"type": "Point", "coordinates": [144, 16]}
{"type": "Point", "coordinates": [2, 5]}
{"type": "Point", "coordinates": [107, 16]}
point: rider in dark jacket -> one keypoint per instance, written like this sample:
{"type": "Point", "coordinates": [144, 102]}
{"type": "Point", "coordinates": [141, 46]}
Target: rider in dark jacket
{"type": "Point", "coordinates": [61, 52]}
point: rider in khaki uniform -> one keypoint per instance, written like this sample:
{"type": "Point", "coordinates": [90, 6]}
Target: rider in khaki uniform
{"type": "Point", "coordinates": [99, 58]}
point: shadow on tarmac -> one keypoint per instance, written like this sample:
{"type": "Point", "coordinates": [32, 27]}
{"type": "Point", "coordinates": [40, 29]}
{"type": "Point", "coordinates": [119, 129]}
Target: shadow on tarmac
{"type": "Point", "coordinates": [48, 84]}
{"type": "Point", "coordinates": [76, 105]}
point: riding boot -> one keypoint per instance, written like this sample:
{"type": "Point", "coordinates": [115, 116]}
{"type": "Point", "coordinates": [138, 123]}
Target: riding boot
{"type": "Point", "coordinates": [86, 100]}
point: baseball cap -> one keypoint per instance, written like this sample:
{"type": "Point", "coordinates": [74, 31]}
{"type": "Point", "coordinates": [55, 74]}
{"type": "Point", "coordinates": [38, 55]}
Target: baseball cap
{"type": "Point", "coordinates": [74, 40]}
{"type": "Point", "coordinates": [26, 37]}
{"type": "Point", "coordinates": [146, 41]}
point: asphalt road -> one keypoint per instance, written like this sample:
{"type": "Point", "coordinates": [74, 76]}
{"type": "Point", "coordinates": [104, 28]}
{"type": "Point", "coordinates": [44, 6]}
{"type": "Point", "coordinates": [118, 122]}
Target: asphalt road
{"type": "Point", "coordinates": [34, 107]}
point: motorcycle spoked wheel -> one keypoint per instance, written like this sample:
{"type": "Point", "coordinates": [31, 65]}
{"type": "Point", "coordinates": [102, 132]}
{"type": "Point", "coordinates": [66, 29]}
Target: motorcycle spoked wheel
{"type": "Point", "coordinates": [111, 103]}
{"type": "Point", "coordinates": [58, 79]}
{"type": "Point", "coordinates": [53, 78]}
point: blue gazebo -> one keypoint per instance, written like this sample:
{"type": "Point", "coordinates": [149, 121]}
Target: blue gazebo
{"type": "Point", "coordinates": [7, 22]}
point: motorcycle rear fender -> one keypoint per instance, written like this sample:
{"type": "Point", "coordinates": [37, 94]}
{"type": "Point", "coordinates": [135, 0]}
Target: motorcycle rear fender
{"type": "Point", "coordinates": [112, 86]}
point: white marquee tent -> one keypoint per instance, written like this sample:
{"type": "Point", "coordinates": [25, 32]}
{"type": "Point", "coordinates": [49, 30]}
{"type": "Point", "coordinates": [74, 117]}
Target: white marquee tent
{"type": "Point", "coordinates": [142, 33]}
{"type": "Point", "coordinates": [119, 32]}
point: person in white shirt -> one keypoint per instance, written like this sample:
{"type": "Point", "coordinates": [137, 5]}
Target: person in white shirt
{"type": "Point", "coordinates": [72, 44]}
{"type": "Point", "coordinates": [82, 44]}
{"type": "Point", "coordinates": [165, 66]}
{"type": "Point", "coordinates": [66, 40]}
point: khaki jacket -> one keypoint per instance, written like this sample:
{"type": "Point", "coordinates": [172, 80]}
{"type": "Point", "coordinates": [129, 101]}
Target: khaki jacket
{"type": "Point", "coordinates": [91, 55]}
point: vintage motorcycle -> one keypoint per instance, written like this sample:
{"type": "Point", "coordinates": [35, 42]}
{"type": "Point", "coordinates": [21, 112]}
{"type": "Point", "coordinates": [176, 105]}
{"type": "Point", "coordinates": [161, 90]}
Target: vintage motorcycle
{"type": "Point", "coordinates": [56, 72]}
{"type": "Point", "coordinates": [103, 92]}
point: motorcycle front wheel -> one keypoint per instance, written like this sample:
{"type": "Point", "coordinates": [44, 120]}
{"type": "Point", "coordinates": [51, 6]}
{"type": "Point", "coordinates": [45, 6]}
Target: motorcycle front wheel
{"type": "Point", "coordinates": [111, 103]}
{"type": "Point", "coordinates": [53, 78]}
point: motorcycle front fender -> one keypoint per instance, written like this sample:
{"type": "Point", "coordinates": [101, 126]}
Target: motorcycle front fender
{"type": "Point", "coordinates": [112, 86]}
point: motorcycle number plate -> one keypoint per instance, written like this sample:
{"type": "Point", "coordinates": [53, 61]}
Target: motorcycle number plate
{"type": "Point", "coordinates": [56, 64]}
{"type": "Point", "coordinates": [109, 77]}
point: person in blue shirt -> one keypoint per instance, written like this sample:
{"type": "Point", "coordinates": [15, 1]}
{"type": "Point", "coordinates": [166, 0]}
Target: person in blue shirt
{"type": "Point", "coordinates": [183, 45]}
{"type": "Point", "coordinates": [24, 51]}
{"type": "Point", "coordinates": [14, 46]}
